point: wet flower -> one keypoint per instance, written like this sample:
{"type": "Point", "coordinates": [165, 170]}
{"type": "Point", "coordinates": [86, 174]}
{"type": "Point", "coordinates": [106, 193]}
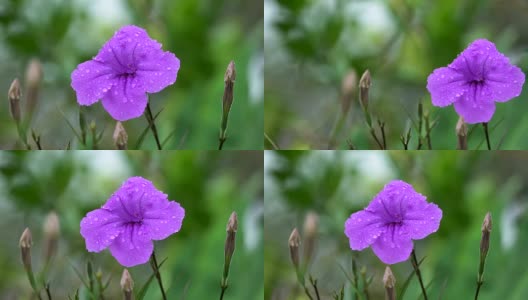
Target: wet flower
{"type": "Point", "coordinates": [395, 217]}
{"type": "Point", "coordinates": [127, 67]}
{"type": "Point", "coordinates": [135, 214]}
{"type": "Point", "coordinates": [474, 81]}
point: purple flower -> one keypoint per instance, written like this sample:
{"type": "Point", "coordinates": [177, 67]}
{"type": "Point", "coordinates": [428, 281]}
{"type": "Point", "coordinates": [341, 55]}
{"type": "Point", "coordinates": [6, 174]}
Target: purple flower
{"type": "Point", "coordinates": [128, 66]}
{"type": "Point", "coordinates": [395, 217]}
{"type": "Point", "coordinates": [135, 214]}
{"type": "Point", "coordinates": [474, 81]}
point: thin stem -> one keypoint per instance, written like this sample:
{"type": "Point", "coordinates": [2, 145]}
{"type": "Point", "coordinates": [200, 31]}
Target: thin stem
{"type": "Point", "coordinates": [221, 141]}
{"type": "Point", "coordinates": [307, 292]}
{"type": "Point", "coordinates": [414, 263]}
{"type": "Point", "coordinates": [382, 128]}
{"type": "Point", "coordinates": [275, 147]}
{"type": "Point", "coordinates": [485, 125]}
{"type": "Point", "coordinates": [152, 125]}
{"type": "Point", "coordinates": [479, 284]}
{"type": "Point", "coordinates": [222, 293]}
{"type": "Point", "coordinates": [354, 272]}
{"type": "Point", "coordinates": [155, 268]}
{"type": "Point", "coordinates": [428, 132]}
{"type": "Point", "coordinates": [314, 284]}
{"type": "Point", "coordinates": [48, 292]}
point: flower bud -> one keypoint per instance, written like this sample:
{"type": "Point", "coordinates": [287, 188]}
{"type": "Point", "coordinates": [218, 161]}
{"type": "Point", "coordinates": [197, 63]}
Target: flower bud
{"type": "Point", "coordinates": [120, 137]}
{"type": "Point", "coordinates": [389, 281]}
{"type": "Point", "coordinates": [227, 100]}
{"type": "Point", "coordinates": [127, 284]}
{"type": "Point", "coordinates": [33, 81]}
{"type": "Point", "coordinates": [25, 248]}
{"type": "Point", "coordinates": [485, 240]}
{"type": "Point", "coordinates": [364, 87]}
{"type": "Point", "coordinates": [310, 235]}
{"type": "Point", "coordinates": [294, 242]}
{"type": "Point", "coordinates": [229, 248]}
{"type": "Point", "coordinates": [461, 132]}
{"type": "Point", "coordinates": [51, 235]}
{"type": "Point", "coordinates": [348, 89]}
{"type": "Point", "coordinates": [14, 100]}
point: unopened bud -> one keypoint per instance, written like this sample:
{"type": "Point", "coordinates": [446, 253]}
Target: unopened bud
{"type": "Point", "coordinates": [389, 281]}
{"type": "Point", "coordinates": [461, 132]}
{"type": "Point", "coordinates": [486, 231]}
{"type": "Point", "coordinates": [364, 87]}
{"type": "Point", "coordinates": [120, 137]}
{"type": "Point", "coordinates": [311, 222]}
{"type": "Point", "coordinates": [227, 100]}
{"type": "Point", "coordinates": [348, 89]}
{"type": "Point", "coordinates": [25, 248]}
{"type": "Point", "coordinates": [127, 284]}
{"type": "Point", "coordinates": [294, 242]}
{"type": "Point", "coordinates": [51, 235]}
{"type": "Point", "coordinates": [14, 100]}
{"type": "Point", "coordinates": [33, 81]}
{"type": "Point", "coordinates": [229, 249]}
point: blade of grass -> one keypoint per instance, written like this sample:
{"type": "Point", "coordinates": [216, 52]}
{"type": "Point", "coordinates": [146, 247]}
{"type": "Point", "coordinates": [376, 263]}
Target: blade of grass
{"type": "Point", "coordinates": [145, 131]}
{"type": "Point", "coordinates": [407, 281]}
{"type": "Point", "coordinates": [143, 290]}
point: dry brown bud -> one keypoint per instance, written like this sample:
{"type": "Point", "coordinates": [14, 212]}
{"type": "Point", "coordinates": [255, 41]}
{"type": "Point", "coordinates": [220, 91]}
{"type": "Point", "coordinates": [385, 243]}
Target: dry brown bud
{"type": "Point", "coordinates": [227, 100]}
{"type": "Point", "coordinates": [33, 81]}
{"type": "Point", "coordinates": [14, 100]}
{"type": "Point", "coordinates": [364, 87]}
{"type": "Point", "coordinates": [294, 242]}
{"type": "Point", "coordinates": [486, 231]}
{"type": "Point", "coordinates": [51, 235]}
{"type": "Point", "coordinates": [461, 132]}
{"type": "Point", "coordinates": [127, 284]}
{"type": "Point", "coordinates": [389, 281]}
{"type": "Point", "coordinates": [120, 137]}
{"type": "Point", "coordinates": [311, 222]}
{"type": "Point", "coordinates": [229, 249]}
{"type": "Point", "coordinates": [348, 89]}
{"type": "Point", "coordinates": [25, 248]}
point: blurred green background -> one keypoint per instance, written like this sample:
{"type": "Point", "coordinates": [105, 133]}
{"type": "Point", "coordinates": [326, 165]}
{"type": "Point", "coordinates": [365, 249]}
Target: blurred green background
{"type": "Point", "coordinates": [209, 185]}
{"type": "Point", "coordinates": [205, 35]}
{"type": "Point", "coordinates": [310, 46]}
{"type": "Point", "coordinates": [464, 185]}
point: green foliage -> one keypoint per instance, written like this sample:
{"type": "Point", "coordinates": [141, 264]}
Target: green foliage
{"type": "Point", "coordinates": [209, 185]}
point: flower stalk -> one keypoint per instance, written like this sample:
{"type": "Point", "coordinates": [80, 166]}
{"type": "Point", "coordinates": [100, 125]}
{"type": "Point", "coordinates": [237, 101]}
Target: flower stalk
{"type": "Point", "coordinates": [486, 133]}
{"type": "Point", "coordinates": [348, 88]}
{"type": "Point", "coordinates": [484, 247]}
{"type": "Point", "coordinates": [155, 267]}
{"type": "Point", "coordinates": [14, 94]}
{"type": "Point", "coordinates": [51, 238]}
{"type": "Point", "coordinates": [416, 267]}
{"type": "Point", "coordinates": [364, 88]}
{"type": "Point", "coordinates": [229, 249]}
{"type": "Point", "coordinates": [152, 125]}
{"type": "Point", "coordinates": [227, 101]}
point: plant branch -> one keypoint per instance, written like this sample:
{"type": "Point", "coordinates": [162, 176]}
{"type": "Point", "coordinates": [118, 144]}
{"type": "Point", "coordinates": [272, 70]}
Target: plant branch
{"type": "Point", "coordinates": [152, 125]}
{"type": "Point", "coordinates": [155, 268]}
{"type": "Point", "coordinates": [416, 267]}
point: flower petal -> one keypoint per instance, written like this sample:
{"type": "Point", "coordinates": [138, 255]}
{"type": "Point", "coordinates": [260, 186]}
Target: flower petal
{"type": "Point", "coordinates": [363, 228]}
{"type": "Point", "coordinates": [422, 219]}
{"type": "Point", "coordinates": [505, 80]}
{"type": "Point", "coordinates": [161, 223]}
{"type": "Point", "coordinates": [393, 246]}
{"type": "Point", "coordinates": [126, 100]}
{"type": "Point", "coordinates": [158, 70]}
{"type": "Point", "coordinates": [446, 86]}
{"type": "Point", "coordinates": [476, 106]}
{"type": "Point", "coordinates": [389, 204]}
{"type": "Point", "coordinates": [91, 80]}
{"type": "Point", "coordinates": [132, 247]}
{"type": "Point", "coordinates": [100, 228]}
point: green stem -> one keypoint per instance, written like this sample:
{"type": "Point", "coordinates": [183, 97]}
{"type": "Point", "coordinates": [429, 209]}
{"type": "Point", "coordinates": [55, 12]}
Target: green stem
{"type": "Point", "coordinates": [152, 125]}
{"type": "Point", "coordinates": [486, 133]}
{"type": "Point", "coordinates": [414, 263]}
{"type": "Point", "coordinates": [155, 268]}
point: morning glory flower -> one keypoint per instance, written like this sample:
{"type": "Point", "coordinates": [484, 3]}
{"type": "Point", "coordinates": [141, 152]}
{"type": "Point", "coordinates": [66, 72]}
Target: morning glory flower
{"type": "Point", "coordinates": [135, 214]}
{"type": "Point", "coordinates": [395, 217]}
{"type": "Point", "coordinates": [129, 66]}
{"type": "Point", "coordinates": [474, 81]}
